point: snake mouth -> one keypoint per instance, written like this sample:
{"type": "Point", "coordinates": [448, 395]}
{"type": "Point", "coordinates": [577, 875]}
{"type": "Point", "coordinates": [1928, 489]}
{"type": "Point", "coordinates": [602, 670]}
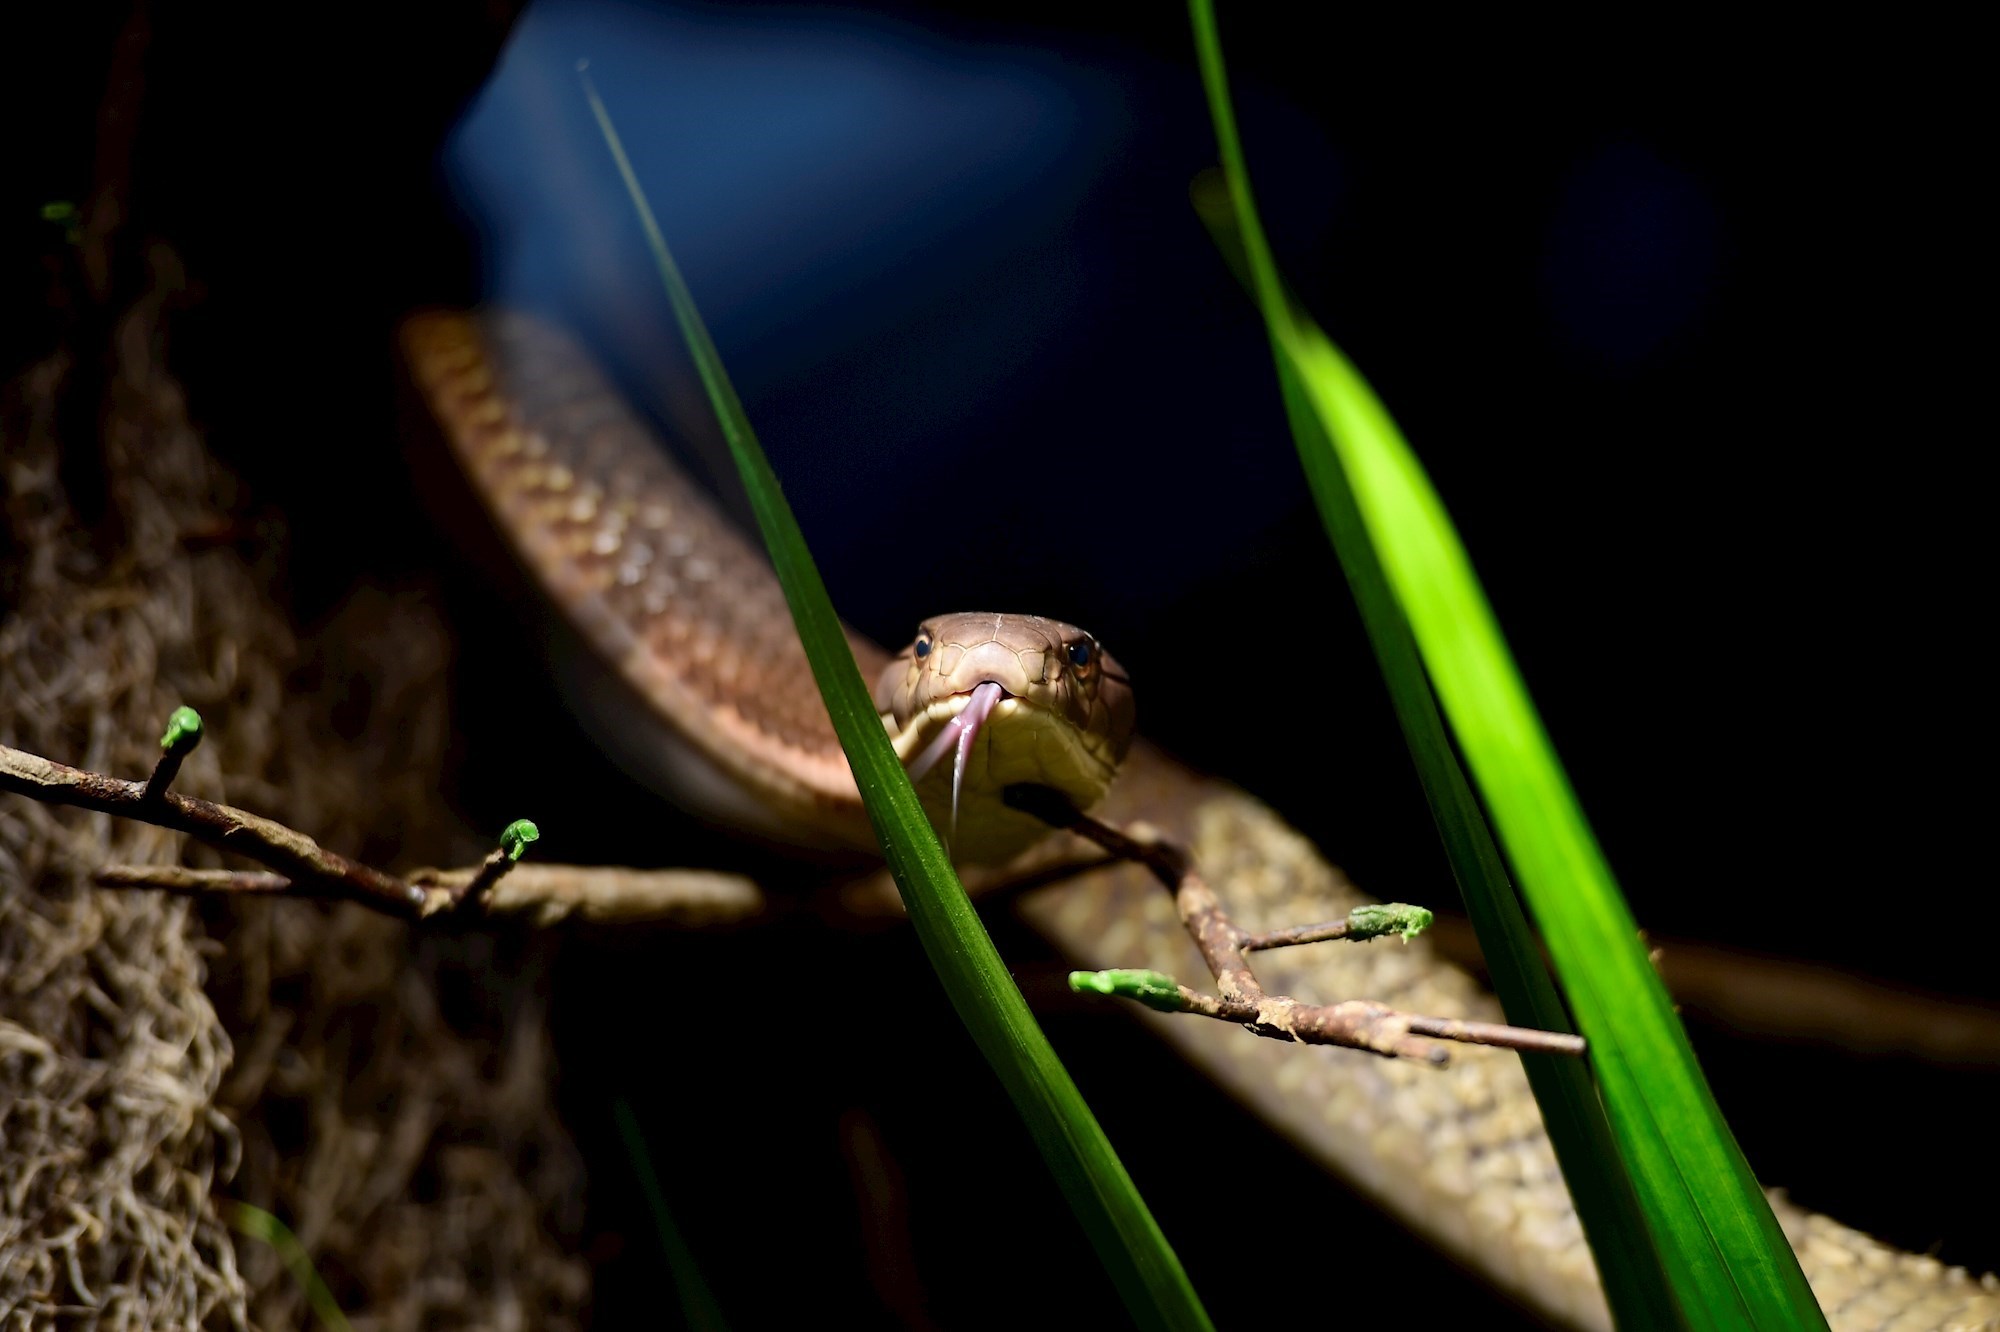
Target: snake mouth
{"type": "Point", "coordinates": [1008, 715]}
{"type": "Point", "coordinates": [959, 733]}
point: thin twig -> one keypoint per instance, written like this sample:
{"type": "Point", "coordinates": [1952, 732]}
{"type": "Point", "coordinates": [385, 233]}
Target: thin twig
{"type": "Point", "coordinates": [1297, 934]}
{"type": "Point", "coordinates": [513, 841]}
{"type": "Point", "coordinates": [611, 894]}
{"type": "Point", "coordinates": [1790, 999]}
{"type": "Point", "coordinates": [194, 882]}
{"type": "Point", "coordinates": [1355, 1023]}
{"type": "Point", "coordinates": [1498, 1033]}
{"type": "Point", "coordinates": [547, 892]}
{"type": "Point", "coordinates": [306, 869]}
{"type": "Point", "coordinates": [486, 874]}
{"type": "Point", "coordinates": [291, 853]}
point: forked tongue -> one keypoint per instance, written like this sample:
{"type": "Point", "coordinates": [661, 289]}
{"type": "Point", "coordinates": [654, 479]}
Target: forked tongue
{"type": "Point", "coordinates": [961, 730]}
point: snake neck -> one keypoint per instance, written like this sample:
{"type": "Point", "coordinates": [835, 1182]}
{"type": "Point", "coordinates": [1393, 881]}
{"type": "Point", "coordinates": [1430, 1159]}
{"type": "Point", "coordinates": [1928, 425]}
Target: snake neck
{"type": "Point", "coordinates": [689, 665]}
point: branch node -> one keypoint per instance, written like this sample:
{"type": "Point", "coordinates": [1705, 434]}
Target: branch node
{"type": "Point", "coordinates": [1358, 1024]}
{"type": "Point", "coordinates": [514, 839]}
{"type": "Point", "coordinates": [183, 733]}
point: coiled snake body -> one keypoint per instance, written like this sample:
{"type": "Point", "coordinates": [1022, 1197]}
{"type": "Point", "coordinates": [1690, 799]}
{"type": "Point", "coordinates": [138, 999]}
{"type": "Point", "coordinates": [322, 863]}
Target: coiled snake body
{"type": "Point", "coordinates": [689, 615]}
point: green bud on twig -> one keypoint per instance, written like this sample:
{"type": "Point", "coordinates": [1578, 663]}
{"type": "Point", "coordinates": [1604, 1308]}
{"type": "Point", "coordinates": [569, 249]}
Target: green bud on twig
{"type": "Point", "coordinates": [515, 838]}
{"type": "Point", "coordinates": [183, 731]}
{"type": "Point", "coordinates": [1372, 922]}
{"type": "Point", "coordinates": [1154, 989]}
{"type": "Point", "coordinates": [182, 735]}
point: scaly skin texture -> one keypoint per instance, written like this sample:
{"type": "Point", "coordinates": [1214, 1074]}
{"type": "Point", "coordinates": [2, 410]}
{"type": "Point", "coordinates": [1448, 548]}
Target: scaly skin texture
{"type": "Point", "coordinates": [688, 614]}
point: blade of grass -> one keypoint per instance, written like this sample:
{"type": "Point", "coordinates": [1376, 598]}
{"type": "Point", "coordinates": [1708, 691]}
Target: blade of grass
{"type": "Point", "coordinates": [700, 1310]}
{"type": "Point", "coordinates": [1128, 1241]}
{"type": "Point", "coordinates": [1728, 1261]}
{"type": "Point", "coordinates": [1635, 1282]}
{"type": "Point", "coordinates": [259, 1224]}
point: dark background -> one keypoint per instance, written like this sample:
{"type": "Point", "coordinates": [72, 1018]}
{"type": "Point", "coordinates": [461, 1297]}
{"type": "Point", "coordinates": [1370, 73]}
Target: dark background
{"type": "Point", "coordinates": [1671, 311]}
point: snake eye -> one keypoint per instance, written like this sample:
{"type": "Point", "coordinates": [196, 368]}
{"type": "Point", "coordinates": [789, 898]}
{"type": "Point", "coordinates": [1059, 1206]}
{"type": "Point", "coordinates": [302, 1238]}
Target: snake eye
{"type": "Point", "coordinates": [923, 648]}
{"type": "Point", "coordinates": [1079, 655]}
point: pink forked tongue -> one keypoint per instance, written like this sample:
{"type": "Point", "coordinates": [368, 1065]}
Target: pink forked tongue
{"type": "Point", "coordinates": [962, 730]}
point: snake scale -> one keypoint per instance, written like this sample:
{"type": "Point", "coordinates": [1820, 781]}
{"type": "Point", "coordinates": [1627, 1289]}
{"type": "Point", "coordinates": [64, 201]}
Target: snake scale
{"type": "Point", "coordinates": [687, 612]}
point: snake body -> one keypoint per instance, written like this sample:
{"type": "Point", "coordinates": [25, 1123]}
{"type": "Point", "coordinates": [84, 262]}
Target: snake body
{"type": "Point", "coordinates": [687, 614]}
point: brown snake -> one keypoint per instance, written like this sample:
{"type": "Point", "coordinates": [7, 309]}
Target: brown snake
{"type": "Point", "coordinates": [689, 615]}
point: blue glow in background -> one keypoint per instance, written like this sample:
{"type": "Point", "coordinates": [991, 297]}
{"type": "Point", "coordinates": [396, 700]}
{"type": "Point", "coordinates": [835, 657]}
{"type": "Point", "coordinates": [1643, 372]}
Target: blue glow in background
{"type": "Point", "coordinates": [958, 285]}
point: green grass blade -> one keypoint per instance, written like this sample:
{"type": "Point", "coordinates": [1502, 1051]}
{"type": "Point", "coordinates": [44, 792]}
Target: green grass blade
{"type": "Point", "coordinates": [1129, 1242]}
{"type": "Point", "coordinates": [700, 1310]}
{"type": "Point", "coordinates": [1729, 1261]}
{"type": "Point", "coordinates": [1723, 1251]}
{"type": "Point", "coordinates": [259, 1224]}
{"type": "Point", "coordinates": [1635, 1282]}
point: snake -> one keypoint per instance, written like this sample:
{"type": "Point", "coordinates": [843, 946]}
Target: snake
{"type": "Point", "coordinates": [707, 696]}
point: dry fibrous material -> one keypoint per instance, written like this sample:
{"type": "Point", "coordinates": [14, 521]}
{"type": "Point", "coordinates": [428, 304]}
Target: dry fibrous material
{"type": "Point", "coordinates": [391, 1140]}
{"type": "Point", "coordinates": [110, 1052]}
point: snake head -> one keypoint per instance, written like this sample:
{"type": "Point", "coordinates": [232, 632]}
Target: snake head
{"type": "Point", "coordinates": [1021, 699]}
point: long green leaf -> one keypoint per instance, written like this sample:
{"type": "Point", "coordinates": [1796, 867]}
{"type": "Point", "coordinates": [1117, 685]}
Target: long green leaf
{"type": "Point", "coordinates": [700, 1310]}
{"type": "Point", "coordinates": [1129, 1242]}
{"type": "Point", "coordinates": [1635, 1282]}
{"type": "Point", "coordinates": [1728, 1261]}
{"type": "Point", "coordinates": [260, 1224]}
